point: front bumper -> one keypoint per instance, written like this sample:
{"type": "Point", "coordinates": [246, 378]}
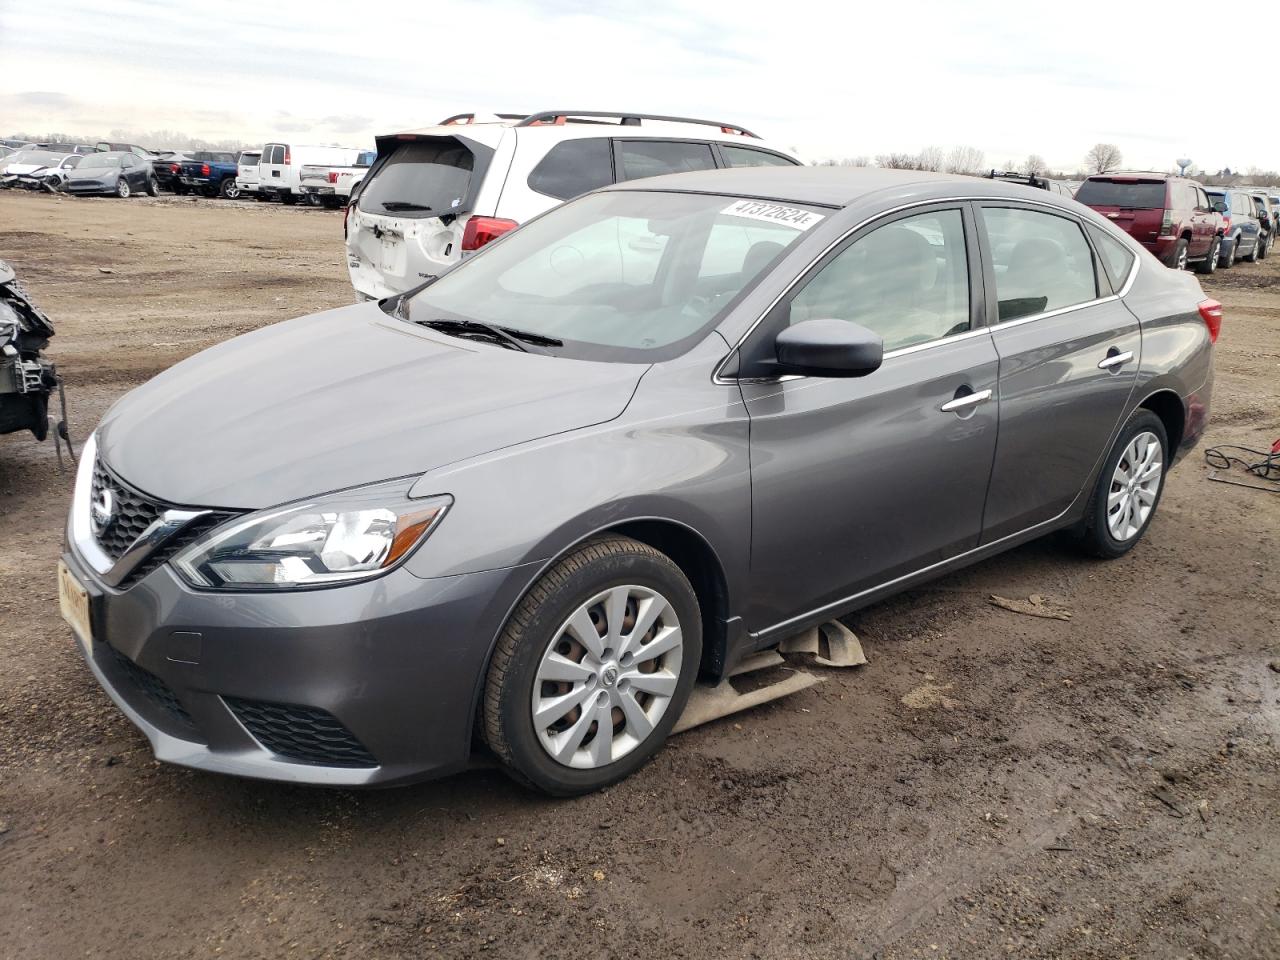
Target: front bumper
{"type": "Point", "coordinates": [365, 684]}
{"type": "Point", "coordinates": [92, 187]}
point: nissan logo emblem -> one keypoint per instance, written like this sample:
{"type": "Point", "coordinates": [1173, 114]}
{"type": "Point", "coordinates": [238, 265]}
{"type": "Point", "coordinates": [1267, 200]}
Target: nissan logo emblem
{"type": "Point", "coordinates": [102, 509]}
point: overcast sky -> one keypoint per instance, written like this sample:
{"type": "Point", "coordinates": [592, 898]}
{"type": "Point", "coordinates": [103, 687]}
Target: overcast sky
{"type": "Point", "coordinates": [829, 79]}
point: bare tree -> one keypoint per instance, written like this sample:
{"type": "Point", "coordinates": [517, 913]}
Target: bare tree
{"type": "Point", "coordinates": [964, 160]}
{"type": "Point", "coordinates": [896, 161]}
{"type": "Point", "coordinates": [930, 158]}
{"type": "Point", "coordinates": [1103, 157]}
{"type": "Point", "coordinates": [1036, 164]}
{"type": "Point", "coordinates": [855, 162]}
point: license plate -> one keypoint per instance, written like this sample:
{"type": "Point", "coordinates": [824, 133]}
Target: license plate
{"type": "Point", "coordinates": [73, 601]}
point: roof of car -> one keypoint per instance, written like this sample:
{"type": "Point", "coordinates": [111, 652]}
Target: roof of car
{"type": "Point", "coordinates": [825, 186]}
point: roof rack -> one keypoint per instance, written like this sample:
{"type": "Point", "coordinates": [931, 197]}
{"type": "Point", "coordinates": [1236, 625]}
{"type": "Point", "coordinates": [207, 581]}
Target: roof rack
{"type": "Point", "coordinates": [471, 118]}
{"type": "Point", "coordinates": [559, 117]}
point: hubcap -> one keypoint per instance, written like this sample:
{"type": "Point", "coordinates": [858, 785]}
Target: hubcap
{"type": "Point", "coordinates": [1134, 486]}
{"type": "Point", "coordinates": [607, 677]}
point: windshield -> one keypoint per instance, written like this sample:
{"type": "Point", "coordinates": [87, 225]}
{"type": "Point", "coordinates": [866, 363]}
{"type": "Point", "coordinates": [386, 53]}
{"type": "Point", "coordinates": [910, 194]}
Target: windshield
{"type": "Point", "coordinates": [101, 161]}
{"type": "Point", "coordinates": [431, 175]}
{"type": "Point", "coordinates": [1116, 193]}
{"type": "Point", "coordinates": [626, 275]}
{"type": "Point", "coordinates": [36, 157]}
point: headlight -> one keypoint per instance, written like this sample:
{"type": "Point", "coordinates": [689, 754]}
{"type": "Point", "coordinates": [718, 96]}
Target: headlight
{"type": "Point", "coordinates": [355, 535]}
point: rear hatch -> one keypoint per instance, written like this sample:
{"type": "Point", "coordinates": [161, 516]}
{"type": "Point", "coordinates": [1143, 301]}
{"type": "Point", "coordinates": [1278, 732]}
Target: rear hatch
{"type": "Point", "coordinates": [1134, 204]}
{"type": "Point", "coordinates": [406, 223]}
{"type": "Point", "coordinates": [247, 168]}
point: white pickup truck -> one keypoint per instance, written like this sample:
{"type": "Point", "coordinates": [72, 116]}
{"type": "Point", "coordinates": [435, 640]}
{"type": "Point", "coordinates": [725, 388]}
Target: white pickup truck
{"type": "Point", "coordinates": [330, 186]}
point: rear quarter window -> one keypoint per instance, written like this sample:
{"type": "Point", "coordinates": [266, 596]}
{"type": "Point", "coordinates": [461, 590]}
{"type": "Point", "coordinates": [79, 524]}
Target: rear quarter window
{"type": "Point", "coordinates": [573, 167]}
{"type": "Point", "coordinates": [1117, 259]}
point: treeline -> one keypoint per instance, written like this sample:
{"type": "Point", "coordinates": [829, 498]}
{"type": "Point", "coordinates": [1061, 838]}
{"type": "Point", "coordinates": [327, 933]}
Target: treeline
{"type": "Point", "coordinates": [152, 139]}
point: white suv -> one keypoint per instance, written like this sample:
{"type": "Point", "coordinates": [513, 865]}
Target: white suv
{"type": "Point", "coordinates": [437, 194]}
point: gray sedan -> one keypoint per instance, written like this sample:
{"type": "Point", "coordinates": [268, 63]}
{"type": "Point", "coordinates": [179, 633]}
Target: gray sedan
{"type": "Point", "coordinates": [523, 508]}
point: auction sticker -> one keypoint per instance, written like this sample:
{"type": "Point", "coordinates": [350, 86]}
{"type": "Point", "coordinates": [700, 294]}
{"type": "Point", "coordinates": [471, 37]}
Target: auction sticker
{"type": "Point", "coordinates": [792, 217]}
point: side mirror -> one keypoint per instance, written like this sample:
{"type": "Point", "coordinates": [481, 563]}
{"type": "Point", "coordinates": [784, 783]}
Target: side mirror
{"type": "Point", "coordinates": [828, 348]}
{"type": "Point", "coordinates": [1219, 206]}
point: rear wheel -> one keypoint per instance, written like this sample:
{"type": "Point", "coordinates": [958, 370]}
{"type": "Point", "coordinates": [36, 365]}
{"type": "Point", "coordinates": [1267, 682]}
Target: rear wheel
{"type": "Point", "coordinates": [1210, 263]}
{"type": "Point", "coordinates": [228, 188]}
{"type": "Point", "coordinates": [153, 188]}
{"type": "Point", "coordinates": [1180, 256]}
{"type": "Point", "coordinates": [594, 667]}
{"type": "Point", "coordinates": [1129, 487]}
{"type": "Point", "coordinates": [1227, 259]}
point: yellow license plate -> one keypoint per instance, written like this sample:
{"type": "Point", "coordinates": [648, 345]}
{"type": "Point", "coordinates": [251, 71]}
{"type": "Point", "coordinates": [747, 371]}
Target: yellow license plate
{"type": "Point", "coordinates": [73, 601]}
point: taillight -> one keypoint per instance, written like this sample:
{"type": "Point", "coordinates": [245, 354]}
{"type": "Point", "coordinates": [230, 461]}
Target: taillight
{"type": "Point", "coordinates": [174, 168]}
{"type": "Point", "coordinates": [204, 169]}
{"type": "Point", "coordinates": [286, 155]}
{"type": "Point", "coordinates": [333, 176]}
{"type": "Point", "coordinates": [482, 230]}
{"type": "Point", "coordinates": [1166, 224]}
{"type": "Point", "coordinates": [1211, 313]}
{"type": "Point", "coordinates": [1226, 224]}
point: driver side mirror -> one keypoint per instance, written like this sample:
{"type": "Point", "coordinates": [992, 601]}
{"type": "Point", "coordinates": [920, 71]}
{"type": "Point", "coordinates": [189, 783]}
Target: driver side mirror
{"type": "Point", "coordinates": [828, 348]}
{"type": "Point", "coordinates": [1219, 206]}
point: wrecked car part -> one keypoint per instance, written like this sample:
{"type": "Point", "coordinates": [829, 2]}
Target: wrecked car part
{"type": "Point", "coordinates": [831, 645]}
{"type": "Point", "coordinates": [27, 380]}
{"type": "Point", "coordinates": [765, 676]}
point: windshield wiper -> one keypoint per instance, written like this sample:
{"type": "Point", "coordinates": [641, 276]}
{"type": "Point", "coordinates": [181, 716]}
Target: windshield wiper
{"type": "Point", "coordinates": [507, 336]}
{"type": "Point", "coordinates": [403, 205]}
{"type": "Point", "coordinates": [464, 328]}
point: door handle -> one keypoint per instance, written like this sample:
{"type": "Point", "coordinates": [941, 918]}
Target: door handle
{"type": "Point", "coordinates": [1113, 360]}
{"type": "Point", "coordinates": [968, 400]}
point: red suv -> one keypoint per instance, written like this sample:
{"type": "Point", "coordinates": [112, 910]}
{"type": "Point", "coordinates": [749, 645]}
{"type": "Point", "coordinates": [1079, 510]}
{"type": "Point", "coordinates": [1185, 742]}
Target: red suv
{"type": "Point", "coordinates": [1171, 216]}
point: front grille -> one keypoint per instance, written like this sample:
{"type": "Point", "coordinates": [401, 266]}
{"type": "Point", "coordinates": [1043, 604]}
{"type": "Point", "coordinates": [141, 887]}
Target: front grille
{"type": "Point", "coordinates": [304, 734]}
{"type": "Point", "coordinates": [152, 688]}
{"type": "Point", "coordinates": [133, 513]}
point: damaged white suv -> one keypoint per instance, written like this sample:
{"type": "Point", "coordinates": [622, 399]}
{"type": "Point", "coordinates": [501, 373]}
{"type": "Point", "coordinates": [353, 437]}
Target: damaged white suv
{"type": "Point", "coordinates": [435, 195]}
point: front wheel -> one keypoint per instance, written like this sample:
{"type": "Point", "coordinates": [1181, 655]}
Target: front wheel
{"type": "Point", "coordinates": [1210, 263]}
{"type": "Point", "coordinates": [122, 188]}
{"type": "Point", "coordinates": [594, 667]}
{"type": "Point", "coordinates": [1129, 487]}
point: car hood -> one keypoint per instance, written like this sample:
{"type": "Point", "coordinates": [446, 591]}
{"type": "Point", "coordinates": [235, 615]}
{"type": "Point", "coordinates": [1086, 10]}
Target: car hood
{"type": "Point", "coordinates": [21, 169]}
{"type": "Point", "coordinates": [339, 399]}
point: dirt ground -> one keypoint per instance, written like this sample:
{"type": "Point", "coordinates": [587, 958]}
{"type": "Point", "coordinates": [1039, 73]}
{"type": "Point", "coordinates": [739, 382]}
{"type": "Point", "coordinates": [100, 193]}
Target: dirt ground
{"type": "Point", "coordinates": [991, 785]}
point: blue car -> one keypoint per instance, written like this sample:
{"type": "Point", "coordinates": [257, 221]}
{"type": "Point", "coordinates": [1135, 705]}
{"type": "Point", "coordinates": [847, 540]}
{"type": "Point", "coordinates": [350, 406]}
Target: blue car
{"type": "Point", "coordinates": [1241, 230]}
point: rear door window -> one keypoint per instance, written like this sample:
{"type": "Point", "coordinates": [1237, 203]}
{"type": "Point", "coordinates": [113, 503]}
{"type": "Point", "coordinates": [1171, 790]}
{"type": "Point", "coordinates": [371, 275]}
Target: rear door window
{"type": "Point", "coordinates": [421, 178]}
{"type": "Point", "coordinates": [1134, 195]}
{"type": "Point", "coordinates": [1117, 259]}
{"type": "Point", "coordinates": [746, 157]}
{"type": "Point", "coordinates": [1041, 261]}
{"type": "Point", "coordinates": [573, 167]}
{"type": "Point", "coordinates": [652, 158]}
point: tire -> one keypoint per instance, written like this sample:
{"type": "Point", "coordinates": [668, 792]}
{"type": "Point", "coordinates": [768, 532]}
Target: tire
{"type": "Point", "coordinates": [153, 188]}
{"type": "Point", "coordinates": [288, 198]}
{"type": "Point", "coordinates": [1105, 532]}
{"type": "Point", "coordinates": [181, 189]}
{"type": "Point", "coordinates": [540, 638]}
{"type": "Point", "coordinates": [228, 189]}
{"type": "Point", "coordinates": [1227, 258]}
{"type": "Point", "coordinates": [313, 199]}
{"type": "Point", "coordinates": [1179, 260]}
{"type": "Point", "coordinates": [1210, 263]}
{"type": "Point", "coordinates": [122, 189]}
{"type": "Point", "coordinates": [1253, 256]}
{"type": "Point", "coordinates": [1265, 248]}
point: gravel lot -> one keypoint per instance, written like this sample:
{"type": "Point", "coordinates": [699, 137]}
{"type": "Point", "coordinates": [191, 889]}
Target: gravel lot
{"type": "Point", "coordinates": [990, 785]}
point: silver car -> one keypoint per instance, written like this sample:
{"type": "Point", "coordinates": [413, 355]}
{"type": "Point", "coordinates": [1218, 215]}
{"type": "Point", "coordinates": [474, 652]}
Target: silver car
{"type": "Point", "coordinates": [523, 508]}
